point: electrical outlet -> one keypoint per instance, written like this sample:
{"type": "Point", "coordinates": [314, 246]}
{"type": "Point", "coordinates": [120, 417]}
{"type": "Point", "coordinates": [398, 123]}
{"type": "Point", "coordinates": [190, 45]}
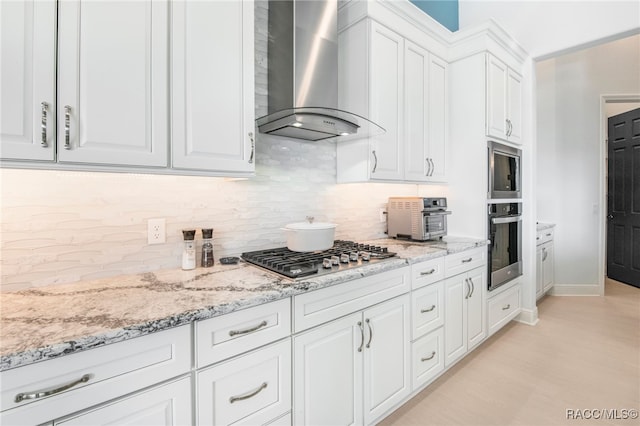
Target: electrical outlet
{"type": "Point", "coordinates": [383, 215]}
{"type": "Point", "coordinates": [156, 233]}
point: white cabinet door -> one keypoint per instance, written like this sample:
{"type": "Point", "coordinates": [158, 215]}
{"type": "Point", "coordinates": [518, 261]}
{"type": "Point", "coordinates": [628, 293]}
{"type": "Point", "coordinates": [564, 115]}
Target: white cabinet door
{"type": "Point", "coordinates": [113, 82]}
{"type": "Point", "coordinates": [438, 119]}
{"type": "Point", "coordinates": [514, 106]}
{"type": "Point", "coordinates": [465, 313]}
{"type": "Point", "coordinates": [169, 404]}
{"type": "Point", "coordinates": [212, 86]}
{"type": "Point", "coordinates": [504, 101]}
{"type": "Point", "coordinates": [386, 88]}
{"type": "Point", "coordinates": [547, 266]}
{"type": "Point", "coordinates": [27, 82]}
{"type": "Point", "coordinates": [416, 104]}
{"type": "Point", "coordinates": [455, 338]}
{"type": "Point", "coordinates": [327, 373]}
{"type": "Point", "coordinates": [539, 273]}
{"type": "Point", "coordinates": [496, 97]}
{"type": "Point", "coordinates": [387, 357]}
{"type": "Point", "coordinates": [476, 308]}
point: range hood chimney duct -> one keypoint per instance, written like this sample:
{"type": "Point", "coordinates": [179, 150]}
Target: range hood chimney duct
{"type": "Point", "coordinates": [303, 75]}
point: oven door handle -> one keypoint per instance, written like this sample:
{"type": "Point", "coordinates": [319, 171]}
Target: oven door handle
{"type": "Point", "coordinates": [510, 219]}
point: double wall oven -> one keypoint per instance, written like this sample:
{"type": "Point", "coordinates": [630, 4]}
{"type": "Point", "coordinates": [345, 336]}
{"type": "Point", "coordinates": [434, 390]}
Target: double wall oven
{"type": "Point", "coordinates": [504, 214]}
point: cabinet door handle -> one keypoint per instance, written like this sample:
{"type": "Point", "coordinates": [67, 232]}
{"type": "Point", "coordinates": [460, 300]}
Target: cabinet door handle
{"type": "Point", "coordinates": [430, 357]}
{"type": "Point", "coordinates": [424, 311]}
{"type": "Point", "coordinates": [370, 333]}
{"type": "Point", "coordinates": [467, 260]}
{"type": "Point", "coordinates": [433, 167]}
{"type": "Point", "coordinates": [544, 254]}
{"type": "Point", "coordinates": [429, 272]}
{"type": "Point", "coordinates": [41, 394]}
{"type": "Point", "coordinates": [67, 127]}
{"type": "Point", "coordinates": [43, 124]}
{"type": "Point", "coordinates": [361, 336]}
{"type": "Point", "coordinates": [548, 235]}
{"type": "Point", "coordinates": [375, 164]}
{"type": "Point", "coordinates": [466, 281]}
{"type": "Point", "coordinates": [473, 287]}
{"type": "Point", "coordinates": [248, 395]}
{"type": "Point", "coordinates": [253, 147]}
{"type": "Point", "coordinates": [248, 330]}
{"type": "Point", "coordinates": [508, 306]}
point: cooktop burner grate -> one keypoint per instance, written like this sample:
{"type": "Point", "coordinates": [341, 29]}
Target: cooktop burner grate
{"type": "Point", "coordinates": [343, 255]}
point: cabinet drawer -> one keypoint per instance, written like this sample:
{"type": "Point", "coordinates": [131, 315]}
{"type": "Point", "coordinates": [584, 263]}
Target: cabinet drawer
{"type": "Point", "coordinates": [317, 307]}
{"type": "Point", "coordinates": [428, 359]}
{"type": "Point", "coordinates": [427, 305]}
{"type": "Point", "coordinates": [113, 370]}
{"type": "Point", "coordinates": [503, 308]}
{"type": "Point", "coordinates": [228, 335]}
{"type": "Point", "coordinates": [425, 273]}
{"type": "Point", "coordinates": [458, 263]}
{"type": "Point", "coordinates": [169, 404]}
{"type": "Point", "coordinates": [251, 389]}
{"type": "Point", "coordinates": [544, 236]}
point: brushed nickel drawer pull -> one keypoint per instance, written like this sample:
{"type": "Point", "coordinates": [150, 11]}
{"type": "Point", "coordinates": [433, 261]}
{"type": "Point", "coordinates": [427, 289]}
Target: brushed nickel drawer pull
{"type": "Point", "coordinates": [504, 308]}
{"type": "Point", "coordinates": [433, 353]}
{"type": "Point", "coordinates": [428, 272]}
{"type": "Point", "coordinates": [361, 336]}
{"type": "Point", "coordinates": [67, 127]}
{"type": "Point", "coordinates": [248, 330]}
{"type": "Point", "coordinates": [424, 311]}
{"type": "Point", "coordinates": [41, 394]}
{"type": "Point", "coordinates": [370, 333]}
{"type": "Point", "coordinates": [43, 124]}
{"type": "Point", "coordinates": [467, 260]}
{"type": "Point", "coordinates": [249, 395]}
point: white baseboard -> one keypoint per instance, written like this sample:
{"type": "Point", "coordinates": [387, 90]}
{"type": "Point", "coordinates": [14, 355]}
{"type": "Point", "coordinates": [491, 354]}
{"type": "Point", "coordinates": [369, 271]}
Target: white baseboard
{"type": "Point", "coordinates": [528, 316]}
{"type": "Point", "coordinates": [575, 290]}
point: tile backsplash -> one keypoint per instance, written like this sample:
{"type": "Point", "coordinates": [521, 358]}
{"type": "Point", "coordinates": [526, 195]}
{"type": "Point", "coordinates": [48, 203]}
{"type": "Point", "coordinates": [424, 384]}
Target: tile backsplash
{"type": "Point", "coordinates": [60, 227]}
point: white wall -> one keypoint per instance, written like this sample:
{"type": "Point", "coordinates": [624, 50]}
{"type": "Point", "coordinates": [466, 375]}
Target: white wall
{"type": "Point", "coordinates": [570, 166]}
{"type": "Point", "coordinates": [544, 27]}
{"type": "Point", "coordinates": [67, 226]}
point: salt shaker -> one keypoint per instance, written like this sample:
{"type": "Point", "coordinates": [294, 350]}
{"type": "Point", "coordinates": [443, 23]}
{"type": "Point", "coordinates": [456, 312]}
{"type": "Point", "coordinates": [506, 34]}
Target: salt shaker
{"type": "Point", "coordinates": [207, 248]}
{"type": "Point", "coordinates": [189, 251]}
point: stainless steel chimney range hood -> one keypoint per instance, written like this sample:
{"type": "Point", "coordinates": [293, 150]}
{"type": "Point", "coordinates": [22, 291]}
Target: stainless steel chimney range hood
{"type": "Point", "coordinates": [303, 75]}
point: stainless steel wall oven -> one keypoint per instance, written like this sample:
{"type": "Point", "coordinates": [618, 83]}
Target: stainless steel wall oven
{"type": "Point", "coordinates": [505, 243]}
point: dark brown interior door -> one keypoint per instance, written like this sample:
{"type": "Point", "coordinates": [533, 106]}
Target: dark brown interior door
{"type": "Point", "coordinates": [623, 198]}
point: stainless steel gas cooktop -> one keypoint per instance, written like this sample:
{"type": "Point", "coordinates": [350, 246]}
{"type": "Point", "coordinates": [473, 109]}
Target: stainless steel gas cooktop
{"type": "Point", "coordinates": [342, 256]}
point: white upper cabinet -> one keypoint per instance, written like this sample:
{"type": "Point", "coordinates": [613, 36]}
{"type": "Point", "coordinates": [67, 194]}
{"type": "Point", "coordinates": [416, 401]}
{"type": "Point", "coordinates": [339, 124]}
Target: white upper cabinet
{"type": "Point", "coordinates": [113, 82]}
{"type": "Point", "coordinates": [212, 86]}
{"type": "Point", "coordinates": [28, 68]}
{"type": "Point", "coordinates": [504, 101]}
{"type": "Point", "coordinates": [402, 87]}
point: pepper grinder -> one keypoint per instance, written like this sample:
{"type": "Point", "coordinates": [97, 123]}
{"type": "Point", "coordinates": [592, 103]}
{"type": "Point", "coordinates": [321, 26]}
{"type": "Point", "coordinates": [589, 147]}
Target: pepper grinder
{"type": "Point", "coordinates": [207, 248]}
{"type": "Point", "coordinates": [189, 251]}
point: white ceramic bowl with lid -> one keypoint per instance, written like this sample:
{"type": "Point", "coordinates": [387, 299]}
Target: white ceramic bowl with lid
{"type": "Point", "coordinates": [310, 236]}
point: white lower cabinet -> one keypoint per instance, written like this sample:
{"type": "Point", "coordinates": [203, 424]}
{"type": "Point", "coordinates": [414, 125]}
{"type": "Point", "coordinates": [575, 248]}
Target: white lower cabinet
{"type": "Point", "coordinates": [504, 307]}
{"type": "Point", "coordinates": [168, 405]}
{"type": "Point", "coordinates": [465, 304]}
{"type": "Point", "coordinates": [251, 389]}
{"type": "Point", "coordinates": [354, 369]}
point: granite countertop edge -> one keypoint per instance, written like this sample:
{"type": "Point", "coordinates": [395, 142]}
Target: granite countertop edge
{"type": "Point", "coordinates": [270, 288]}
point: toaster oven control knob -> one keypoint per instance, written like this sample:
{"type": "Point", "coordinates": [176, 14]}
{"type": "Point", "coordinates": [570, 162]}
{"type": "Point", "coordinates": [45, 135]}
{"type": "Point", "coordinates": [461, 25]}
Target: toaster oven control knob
{"type": "Point", "coordinates": [344, 258]}
{"type": "Point", "coordinates": [353, 256]}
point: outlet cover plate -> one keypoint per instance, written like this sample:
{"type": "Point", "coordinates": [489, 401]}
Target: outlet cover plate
{"type": "Point", "coordinates": [156, 233]}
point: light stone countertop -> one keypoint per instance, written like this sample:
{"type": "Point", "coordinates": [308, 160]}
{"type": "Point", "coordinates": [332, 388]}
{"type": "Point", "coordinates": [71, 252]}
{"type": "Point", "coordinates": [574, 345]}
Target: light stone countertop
{"type": "Point", "coordinates": [44, 323]}
{"type": "Point", "coordinates": [542, 226]}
